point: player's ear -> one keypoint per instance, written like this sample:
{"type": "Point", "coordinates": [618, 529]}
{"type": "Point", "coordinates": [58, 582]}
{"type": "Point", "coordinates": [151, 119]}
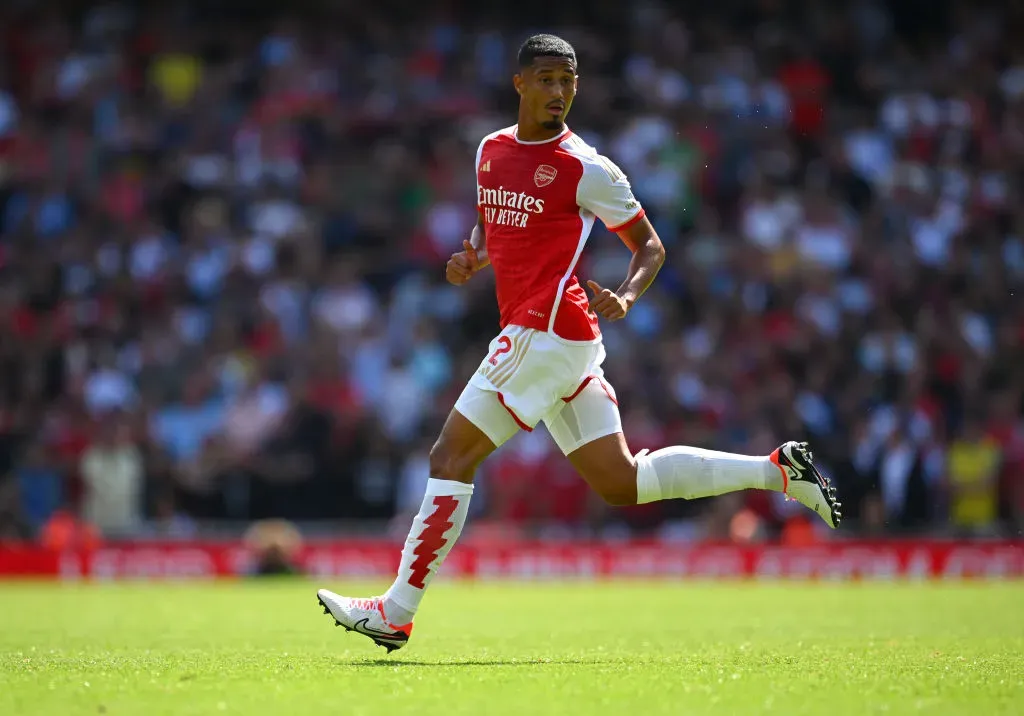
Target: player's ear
{"type": "Point", "coordinates": [517, 80]}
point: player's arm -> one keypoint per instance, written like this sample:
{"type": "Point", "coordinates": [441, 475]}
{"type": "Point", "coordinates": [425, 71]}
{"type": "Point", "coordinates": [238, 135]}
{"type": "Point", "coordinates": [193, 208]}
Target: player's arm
{"type": "Point", "coordinates": [648, 256]}
{"type": "Point", "coordinates": [605, 191]}
{"type": "Point", "coordinates": [478, 242]}
{"type": "Point", "coordinates": [463, 264]}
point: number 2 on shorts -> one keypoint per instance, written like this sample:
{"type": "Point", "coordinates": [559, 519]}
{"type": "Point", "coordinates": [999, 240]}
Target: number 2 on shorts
{"type": "Point", "coordinates": [504, 346]}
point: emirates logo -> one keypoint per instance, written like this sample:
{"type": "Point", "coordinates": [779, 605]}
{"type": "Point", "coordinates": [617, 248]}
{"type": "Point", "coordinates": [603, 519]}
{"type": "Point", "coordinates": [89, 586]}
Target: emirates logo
{"type": "Point", "coordinates": [544, 175]}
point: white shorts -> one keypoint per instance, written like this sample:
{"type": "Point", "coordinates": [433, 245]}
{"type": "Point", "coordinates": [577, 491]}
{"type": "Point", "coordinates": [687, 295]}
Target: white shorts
{"type": "Point", "coordinates": [529, 376]}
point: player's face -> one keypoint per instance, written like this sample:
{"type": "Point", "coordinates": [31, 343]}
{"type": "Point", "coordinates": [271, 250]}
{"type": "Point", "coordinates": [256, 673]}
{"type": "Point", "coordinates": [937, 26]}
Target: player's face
{"type": "Point", "coordinates": [546, 90]}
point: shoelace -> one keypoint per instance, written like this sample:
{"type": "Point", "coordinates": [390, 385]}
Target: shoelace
{"type": "Point", "coordinates": [368, 604]}
{"type": "Point", "coordinates": [377, 607]}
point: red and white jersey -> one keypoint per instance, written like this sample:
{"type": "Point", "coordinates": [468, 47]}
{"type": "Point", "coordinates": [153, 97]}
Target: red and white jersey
{"type": "Point", "coordinates": [539, 201]}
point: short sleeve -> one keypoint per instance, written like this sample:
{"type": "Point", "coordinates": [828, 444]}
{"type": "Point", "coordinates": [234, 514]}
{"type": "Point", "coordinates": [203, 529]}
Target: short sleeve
{"type": "Point", "coordinates": [604, 191]}
{"type": "Point", "coordinates": [476, 170]}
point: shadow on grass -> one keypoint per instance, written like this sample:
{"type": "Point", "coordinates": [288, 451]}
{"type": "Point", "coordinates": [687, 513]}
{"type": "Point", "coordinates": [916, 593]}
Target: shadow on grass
{"type": "Point", "coordinates": [385, 662]}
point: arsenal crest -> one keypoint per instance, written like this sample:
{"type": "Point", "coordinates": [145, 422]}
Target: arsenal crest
{"type": "Point", "coordinates": [544, 175]}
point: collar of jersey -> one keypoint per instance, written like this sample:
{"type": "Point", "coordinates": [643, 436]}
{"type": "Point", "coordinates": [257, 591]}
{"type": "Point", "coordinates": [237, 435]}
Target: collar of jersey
{"type": "Point", "coordinates": [560, 135]}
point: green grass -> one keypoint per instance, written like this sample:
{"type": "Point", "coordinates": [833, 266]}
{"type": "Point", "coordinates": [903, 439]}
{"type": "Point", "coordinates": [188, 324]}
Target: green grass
{"type": "Point", "coordinates": [572, 650]}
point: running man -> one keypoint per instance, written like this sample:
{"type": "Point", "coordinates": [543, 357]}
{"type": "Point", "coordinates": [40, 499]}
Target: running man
{"type": "Point", "coordinates": [540, 188]}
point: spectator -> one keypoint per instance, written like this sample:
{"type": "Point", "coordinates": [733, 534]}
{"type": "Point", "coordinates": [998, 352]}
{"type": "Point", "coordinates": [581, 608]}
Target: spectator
{"type": "Point", "coordinates": [113, 476]}
{"type": "Point", "coordinates": [13, 524]}
{"type": "Point", "coordinates": [193, 219]}
{"type": "Point", "coordinates": [973, 470]}
{"type": "Point", "coordinates": [39, 485]}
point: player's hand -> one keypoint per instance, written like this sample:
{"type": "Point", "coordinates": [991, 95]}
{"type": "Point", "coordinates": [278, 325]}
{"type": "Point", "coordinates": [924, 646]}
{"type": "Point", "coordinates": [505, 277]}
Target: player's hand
{"type": "Point", "coordinates": [606, 303]}
{"type": "Point", "coordinates": [462, 265]}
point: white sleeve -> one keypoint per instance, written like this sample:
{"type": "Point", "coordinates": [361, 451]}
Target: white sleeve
{"type": "Point", "coordinates": [604, 191]}
{"type": "Point", "coordinates": [476, 170]}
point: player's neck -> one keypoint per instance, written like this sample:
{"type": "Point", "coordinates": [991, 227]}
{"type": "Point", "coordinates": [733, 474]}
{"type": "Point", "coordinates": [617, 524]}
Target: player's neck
{"type": "Point", "coordinates": [527, 131]}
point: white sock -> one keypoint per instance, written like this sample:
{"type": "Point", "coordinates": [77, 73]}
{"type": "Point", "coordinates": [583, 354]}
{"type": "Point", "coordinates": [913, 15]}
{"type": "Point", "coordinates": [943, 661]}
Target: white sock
{"type": "Point", "coordinates": [689, 473]}
{"type": "Point", "coordinates": [433, 532]}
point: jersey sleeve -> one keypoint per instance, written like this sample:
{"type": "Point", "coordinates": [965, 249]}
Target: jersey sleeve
{"type": "Point", "coordinates": [476, 172]}
{"type": "Point", "coordinates": [604, 191]}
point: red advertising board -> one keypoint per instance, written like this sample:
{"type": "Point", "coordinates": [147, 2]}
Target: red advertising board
{"type": "Point", "coordinates": [537, 560]}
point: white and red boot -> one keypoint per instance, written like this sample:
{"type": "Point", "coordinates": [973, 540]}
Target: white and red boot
{"type": "Point", "coordinates": [365, 616]}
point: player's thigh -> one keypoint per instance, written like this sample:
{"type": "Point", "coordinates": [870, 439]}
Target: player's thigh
{"type": "Point", "coordinates": [474, 429]}
{"type": "Point", "coordinates": [588, 430]}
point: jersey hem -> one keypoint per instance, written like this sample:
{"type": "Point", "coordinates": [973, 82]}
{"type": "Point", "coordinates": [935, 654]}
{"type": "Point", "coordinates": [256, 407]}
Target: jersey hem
{"type": "Point", "coordinates": [567, 341]}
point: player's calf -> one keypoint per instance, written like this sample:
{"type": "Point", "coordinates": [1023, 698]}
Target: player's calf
{"type": "Point", "coordinates": [609, 469]}
{"type": "Point", "coordinates": [435, 529]}
{"type": "Point", "coordinates": [691, 473]}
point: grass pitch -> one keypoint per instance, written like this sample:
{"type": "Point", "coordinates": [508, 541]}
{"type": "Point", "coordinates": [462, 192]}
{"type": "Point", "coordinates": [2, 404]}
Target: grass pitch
{"type": "Point", "coordinates": [577, 649]}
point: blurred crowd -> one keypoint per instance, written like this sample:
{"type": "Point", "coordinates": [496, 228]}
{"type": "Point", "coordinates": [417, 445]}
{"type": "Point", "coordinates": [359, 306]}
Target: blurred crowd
{"type": "Point", "coordinates": [223, 233]}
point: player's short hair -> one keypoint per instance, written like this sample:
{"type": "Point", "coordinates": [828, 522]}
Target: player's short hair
{"type": "Point", "coordinates": [545, 46]}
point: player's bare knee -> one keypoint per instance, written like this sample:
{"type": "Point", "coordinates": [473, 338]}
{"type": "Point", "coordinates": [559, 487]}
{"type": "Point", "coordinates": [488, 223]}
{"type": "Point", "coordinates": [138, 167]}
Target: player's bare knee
{"type": "Point", "coordinates": [447, 463]}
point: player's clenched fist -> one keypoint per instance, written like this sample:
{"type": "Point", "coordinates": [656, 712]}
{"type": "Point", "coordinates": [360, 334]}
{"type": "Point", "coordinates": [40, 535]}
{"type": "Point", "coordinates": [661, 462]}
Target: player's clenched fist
{"type": "Point", "coordinates": [607, 303]}
{"type": "Point", "coordinates": [462, 265]}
